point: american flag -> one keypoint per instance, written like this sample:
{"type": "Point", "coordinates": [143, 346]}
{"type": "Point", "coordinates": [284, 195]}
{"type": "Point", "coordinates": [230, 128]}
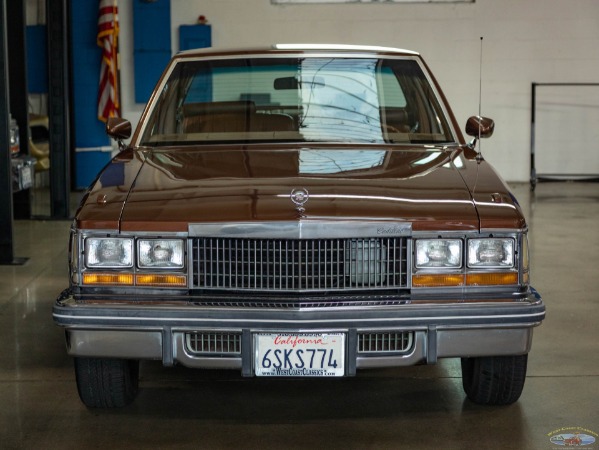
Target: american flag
{"type": "Point", "coordinates": [108, 32]}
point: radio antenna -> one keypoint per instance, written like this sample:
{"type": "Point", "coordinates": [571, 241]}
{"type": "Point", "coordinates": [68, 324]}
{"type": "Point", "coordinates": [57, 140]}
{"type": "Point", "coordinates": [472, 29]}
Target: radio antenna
{"type": "Point", "coordinates": [479, 155]}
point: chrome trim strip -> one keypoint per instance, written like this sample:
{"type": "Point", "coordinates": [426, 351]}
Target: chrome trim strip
{"type": "Point", "coordinates": [503, 231]}
{"type": "Point", "coordinates": [166, 320]}
{"type": "Point", "coordinates": [336, 47]}
{"type": "Point", "coordinates": [301, 229]}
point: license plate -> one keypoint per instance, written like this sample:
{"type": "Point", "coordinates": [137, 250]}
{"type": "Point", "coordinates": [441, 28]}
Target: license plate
{"type": "Point", "coordinates": [299, 354]}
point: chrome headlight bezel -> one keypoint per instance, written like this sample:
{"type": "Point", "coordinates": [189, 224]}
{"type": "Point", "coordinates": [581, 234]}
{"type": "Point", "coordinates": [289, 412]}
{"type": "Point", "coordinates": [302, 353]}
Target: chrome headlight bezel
{"type": "Point", "coordinates": [88, 269]}
{"type": "Point", "coordinates": [503, 261]}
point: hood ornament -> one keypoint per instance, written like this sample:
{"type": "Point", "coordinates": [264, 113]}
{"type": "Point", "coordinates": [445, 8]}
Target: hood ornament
{"type": "Point", "coordinates": [299, 196]}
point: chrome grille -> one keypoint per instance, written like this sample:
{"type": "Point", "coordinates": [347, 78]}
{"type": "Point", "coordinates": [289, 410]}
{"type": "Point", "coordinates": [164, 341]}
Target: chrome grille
{"type": "Point", "coordinates": [208, 343]}
{"type": "Point", "coordinates": [299, 264]}
{"type": "Point", "coordinates": [385, 342]}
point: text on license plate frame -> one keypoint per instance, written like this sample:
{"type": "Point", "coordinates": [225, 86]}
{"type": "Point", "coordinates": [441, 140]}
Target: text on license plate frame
{"type": "Point", "coordinates": [299, 354]}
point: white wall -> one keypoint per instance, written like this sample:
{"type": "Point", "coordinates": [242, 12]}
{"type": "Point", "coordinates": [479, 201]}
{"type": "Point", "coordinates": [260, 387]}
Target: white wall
{"type": "Point", "coordinates": [524, 41]}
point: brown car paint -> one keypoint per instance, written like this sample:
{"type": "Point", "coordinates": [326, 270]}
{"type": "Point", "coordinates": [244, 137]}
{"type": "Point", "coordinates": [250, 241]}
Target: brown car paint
{"type": "Point", "coordinates": [165, 190]}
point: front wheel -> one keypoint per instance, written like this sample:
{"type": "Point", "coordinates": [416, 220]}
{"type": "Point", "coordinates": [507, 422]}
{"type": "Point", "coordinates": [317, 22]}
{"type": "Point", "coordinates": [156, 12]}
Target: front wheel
{"type": "Point", "coordinates": [106, 383]}
{"type": "Point", "coordinates": [494, 380]}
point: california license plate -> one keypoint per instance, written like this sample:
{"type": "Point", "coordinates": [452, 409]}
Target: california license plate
{"type": "Point", "coordinates": [299, 354]}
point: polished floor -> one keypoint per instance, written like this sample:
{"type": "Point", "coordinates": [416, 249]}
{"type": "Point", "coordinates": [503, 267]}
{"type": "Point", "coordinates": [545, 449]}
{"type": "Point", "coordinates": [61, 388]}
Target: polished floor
{"type": "Point", "coordinates": [413, 408]}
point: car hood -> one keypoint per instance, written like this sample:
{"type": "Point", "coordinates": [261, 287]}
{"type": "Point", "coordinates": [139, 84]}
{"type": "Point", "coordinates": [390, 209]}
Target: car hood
{"type": "Point", "coordinates": [168, 189]}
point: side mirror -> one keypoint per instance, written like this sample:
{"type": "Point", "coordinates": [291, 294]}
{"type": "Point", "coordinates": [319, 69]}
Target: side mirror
{"type": "Point", "coordinates": [118, 129]}
{"type": "Point", "coordinates": [477, 126]}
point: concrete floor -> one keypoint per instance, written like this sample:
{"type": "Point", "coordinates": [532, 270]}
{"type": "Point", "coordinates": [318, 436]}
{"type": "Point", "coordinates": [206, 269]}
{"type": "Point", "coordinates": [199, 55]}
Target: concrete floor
{"type": "Point", "coordinates": [418, 407]}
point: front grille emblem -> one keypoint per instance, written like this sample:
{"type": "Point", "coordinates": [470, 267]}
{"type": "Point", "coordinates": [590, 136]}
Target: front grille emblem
{"type": "Point", "coordinates": [299, 196]}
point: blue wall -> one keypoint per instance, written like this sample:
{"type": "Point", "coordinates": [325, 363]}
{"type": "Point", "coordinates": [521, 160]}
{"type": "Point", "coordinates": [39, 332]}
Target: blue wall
{"type": "Point", "coordinates": [152, 44]}
{"type": "Point", "coordinates": [195, 36]}
{"type": "Point", "coordinates": [89, 131]}
{"type": "Point", "coordinates": [86, 59]}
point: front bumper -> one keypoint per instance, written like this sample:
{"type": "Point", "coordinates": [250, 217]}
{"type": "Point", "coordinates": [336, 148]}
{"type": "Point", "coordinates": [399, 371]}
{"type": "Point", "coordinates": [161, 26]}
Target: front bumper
{"type": "Point", "coordinates": [158, 329]}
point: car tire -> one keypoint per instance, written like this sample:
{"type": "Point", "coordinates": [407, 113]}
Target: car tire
{"type": "Point", "coordinates": [106, 383]}
{"type": "Point", "coordinates": [494, 380]}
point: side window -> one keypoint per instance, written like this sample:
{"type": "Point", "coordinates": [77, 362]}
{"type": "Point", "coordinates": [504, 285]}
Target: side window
{"type": "Point", "coordinates": [394, 105]}
{"type": "Point", "coordinates": [392, 95]}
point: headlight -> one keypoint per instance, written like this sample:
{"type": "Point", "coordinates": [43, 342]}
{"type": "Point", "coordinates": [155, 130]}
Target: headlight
{"type": "Point", "coordinates": [160, 254]}
{"type": "Point", "coordinates": [438, 253]}
{"type": "Point", "coordinates": [108, 252]}
{"type": "Point", "coordinates": [491, 253]}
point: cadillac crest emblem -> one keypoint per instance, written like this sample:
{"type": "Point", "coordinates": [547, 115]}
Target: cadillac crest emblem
{"type": "Point", "coordinates": [300, 196]}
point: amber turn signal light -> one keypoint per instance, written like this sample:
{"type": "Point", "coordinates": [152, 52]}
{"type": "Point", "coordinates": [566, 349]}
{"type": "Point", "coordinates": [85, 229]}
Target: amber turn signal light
{"type": "Point", "coordinates": [438, 280]}
{"type": "Point", "coordinates": [472, 279]}
{"type": "Point", "coordinates": [161, 280]}
{"type": "Point", "coordinates": [491, 279]}
{"type": "Point", "coordinates": [122, 279]}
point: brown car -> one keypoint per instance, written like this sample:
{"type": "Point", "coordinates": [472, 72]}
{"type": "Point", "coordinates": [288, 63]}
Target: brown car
{"type": "Point", "coordinates": [298, 211]}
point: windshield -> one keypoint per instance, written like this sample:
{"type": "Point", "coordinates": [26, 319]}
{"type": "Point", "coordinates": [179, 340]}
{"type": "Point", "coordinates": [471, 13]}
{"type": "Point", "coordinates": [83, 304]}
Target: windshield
{"type": "Point", "coordinates": [307, 99]}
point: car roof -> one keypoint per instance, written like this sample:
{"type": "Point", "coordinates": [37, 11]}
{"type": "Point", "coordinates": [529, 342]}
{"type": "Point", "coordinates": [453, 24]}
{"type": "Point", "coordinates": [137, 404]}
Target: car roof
{"type": "Point", "coordinates": [299, 48]}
